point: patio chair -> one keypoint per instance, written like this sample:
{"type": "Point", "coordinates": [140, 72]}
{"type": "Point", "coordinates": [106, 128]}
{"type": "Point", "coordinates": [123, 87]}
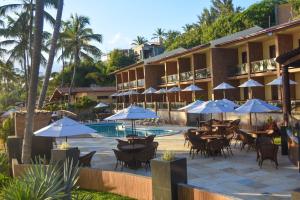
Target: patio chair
{"type": "Point", "coordinates": [122, 158]}
{"type": "Point", "coordinates": [267, 152]}
{"type": "Point", "coordinates": [215, 148]}
{"type": "Point", "coordinates": [149, 139]}
{"type": "Point", "coordinates": [155, 145]}
{"type": "Point", "coordinates": [145, 156]}
{"type": "Point", "coordinates": [197, 145]}
{"type": "Point", "coordinates": [246, 139]}
{"type": "Point", "coordinates": [122, 142]}
{"type": "Point", "coordinates": [85, 160]}
{"type": "Point", "coordinates": [227, 143]}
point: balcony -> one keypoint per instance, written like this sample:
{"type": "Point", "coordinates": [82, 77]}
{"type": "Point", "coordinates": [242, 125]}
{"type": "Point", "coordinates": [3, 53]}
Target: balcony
{"type": "Point", "coordinates": [126, 85]}
{"type": "Point", "coordinates": [263, 65]}
{"type": "Point", "coordinates": [163, 80]}
{"type": "Point", "coordinates": [120, 86]}
{"type": "Point", "coordinates": [132, 84]}
{"type": "Point", "coordinates": [186, 76]}
{"type": "Point", "coordinates": [239, 70]}
{"type": "Point", "coordinates": [141, 82]}
{"type": "Point", "coordinates": [202, 73]}
{"type": "Point", "coordinates": [172, 78]}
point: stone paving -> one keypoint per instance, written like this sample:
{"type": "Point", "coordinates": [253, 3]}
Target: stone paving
{"type": "Point", "coordinates": [238, 176]}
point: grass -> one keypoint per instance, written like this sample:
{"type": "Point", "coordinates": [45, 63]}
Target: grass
{"type": "Point", "coordinates": [100, 195]}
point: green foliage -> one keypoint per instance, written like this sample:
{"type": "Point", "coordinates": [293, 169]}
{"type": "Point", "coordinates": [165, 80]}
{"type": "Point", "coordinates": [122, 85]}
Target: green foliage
{"type": "Point", "coordinates": [223, 19]}
{"type": "Point", "coordinates": [4, 180]}
{"type": "Point", "coordinates": [117, 59]}
{"type": "Point", "coordinates": [42, 182]}
{"type": "Point", "coordinates": [99, 195]}
{"type": "Point", "coordinates": [296, 8]}
{"type": "Point", "coordinates": [84, 102]}
{"type": "Point", "coordinates": [168, 156]}
{"type": "Point", "coordinates": [7, 128]}
{"type": "Point", "coordinates": [4, 165]}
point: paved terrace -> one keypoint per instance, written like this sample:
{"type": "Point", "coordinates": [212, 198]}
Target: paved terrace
{"type": "Point", "coordinates": [238, 176]}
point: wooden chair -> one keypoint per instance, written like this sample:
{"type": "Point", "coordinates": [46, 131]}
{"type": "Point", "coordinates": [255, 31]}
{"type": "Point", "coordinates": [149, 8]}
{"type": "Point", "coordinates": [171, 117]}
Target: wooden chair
{"type": "Point", "coordinates": [149, 139]}
{"type": "Point", "coordinates": [197, 145]}
{"type": "Point", "coordinates": [145, 156]}
{"type": "Point", "coordinates": [267, 152]}
{"type": "Point", "coordinates": [246, 139]}
{"type": "Point", "coordinates": [85, 161]}
{"type": "Point", "coordinates": [215, 148]}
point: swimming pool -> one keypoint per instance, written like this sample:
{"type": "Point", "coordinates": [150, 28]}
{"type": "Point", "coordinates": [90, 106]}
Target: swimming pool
{"type": "Point", "coordinates": [119, 130]}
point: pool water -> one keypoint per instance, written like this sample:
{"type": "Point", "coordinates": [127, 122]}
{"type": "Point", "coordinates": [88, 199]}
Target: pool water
{"type": "Point", "coordinates": [119, 130]}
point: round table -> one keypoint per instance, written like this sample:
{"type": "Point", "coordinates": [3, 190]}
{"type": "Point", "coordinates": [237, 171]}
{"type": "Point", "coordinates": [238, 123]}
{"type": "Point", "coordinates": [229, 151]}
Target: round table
{"type": "Point", "coordinates": [132, 147]}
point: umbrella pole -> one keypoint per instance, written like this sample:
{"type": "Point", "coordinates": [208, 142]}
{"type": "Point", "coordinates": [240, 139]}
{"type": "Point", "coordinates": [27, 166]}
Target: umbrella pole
{"type": "Point", "coordinates": [255, 121]}
{"type": "Point", "coordinates": [66, 139]}
{"type": "Point", "coordinates": [224, 94]}
{"type": "Point", "coordinates": [250, 121]}
{"type": "Point", "coordinates": [194, 95]}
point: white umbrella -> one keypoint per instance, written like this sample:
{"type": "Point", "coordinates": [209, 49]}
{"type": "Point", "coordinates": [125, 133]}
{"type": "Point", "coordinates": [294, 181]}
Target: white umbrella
{"type": "Point", "coordinates": [174, 90]}
{"type": "Point", "coordinates": [115, 94]}
{"type": "Point", "coordinates": [224, 86]}
{"type": "Point", "coordinates": [162, 91]}
{"type": "Point", "coordinates": [256, 106]}
{"type": "Point", "coordinates": [150, 91]}
{"type": "Point", "coordinates": [278, 82]}
{"type": "Point", "coordinates": [133, 113]}
{"type": "Point", "coordinates": [192, 88]}
{"type": "Point", "coordinates": [64, 127]}
{"type": "Point", "coordinates": [210, 107]}
{"type": "Point", "coordinates": [249, 84]}
{"type": "Point", "coordinates": [228, 103]}
{"type": "Point", "coordinates": [101, 105]}
{"type": "Point", "coordinates": [192, 105]}
{"type": "Point", "coordinates": [130, 93]}
{"type": "Point", "coordinates": [9, 112]}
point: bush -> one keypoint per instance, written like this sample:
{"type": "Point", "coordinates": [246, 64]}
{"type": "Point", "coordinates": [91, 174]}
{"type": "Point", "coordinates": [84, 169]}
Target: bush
{"type": "Point", "coordinates": [4, 180]}
{"type": "Point", "coordinates": [7, 129]}
{"type": "Point", "coordinates": [4, 165]}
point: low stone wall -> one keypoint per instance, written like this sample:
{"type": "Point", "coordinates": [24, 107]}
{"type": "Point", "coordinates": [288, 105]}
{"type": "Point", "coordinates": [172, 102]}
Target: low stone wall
{"type": "Point", "coordinates": [41, 119]}
{"type": "Point", "coordinates": [125, 184]}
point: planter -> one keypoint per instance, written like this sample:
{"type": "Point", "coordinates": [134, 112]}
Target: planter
{"type": "Point", "coordinates": [60, 155]}
{"type": "Point", "coordinates": [165, 177]}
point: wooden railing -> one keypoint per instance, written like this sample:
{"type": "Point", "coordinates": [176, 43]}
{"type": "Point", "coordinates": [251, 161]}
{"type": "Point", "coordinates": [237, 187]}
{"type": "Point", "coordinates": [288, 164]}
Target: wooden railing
{"type": "Point", "coordinates": [141, 82]}
{"type": "Point", "coordinates": [186, 76]}
{"type": "Point", "coordinates": [202, 73]}
{"type": "Point", "coordinates": [239, 70]}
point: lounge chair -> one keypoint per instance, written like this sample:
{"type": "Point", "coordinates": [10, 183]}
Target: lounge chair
{"type": "Point", "coordinates": [85, 161]}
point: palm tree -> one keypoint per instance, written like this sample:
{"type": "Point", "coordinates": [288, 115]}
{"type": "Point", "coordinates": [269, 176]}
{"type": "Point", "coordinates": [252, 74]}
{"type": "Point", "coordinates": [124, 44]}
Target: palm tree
{"type": "Point", "coordinates": [139, 40]}
{"type": "Point", "coordinates": [159, 34]}
{"type": "Point", "coordinates": [36, 59]}
{"type": "Point", "coordinates": [51, 53]}
{"type": "Point", "coordinates": [77, 38]}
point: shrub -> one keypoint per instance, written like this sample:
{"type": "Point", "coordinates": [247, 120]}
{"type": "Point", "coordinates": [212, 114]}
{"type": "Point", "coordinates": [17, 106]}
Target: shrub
{"type": "Point", "coordinates": [168, 156]}
{"type": "Point", "coordinates": [4, 165]}
{"type": "Point", "coordinates": [4, 180]}
{"type": "Point", "coordinates": [7, 128]}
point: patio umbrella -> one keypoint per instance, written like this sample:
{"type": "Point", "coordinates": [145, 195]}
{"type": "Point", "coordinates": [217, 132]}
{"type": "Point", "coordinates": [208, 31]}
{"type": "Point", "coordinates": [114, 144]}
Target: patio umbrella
{"type": "Point", "coordinates": [256, 106]}
{"type": "Point", "coordinates": [250, 84]}
{"type": "Point", "coordinates": [226, 102]}
{"type": "Point", "coordinates": [224, 86]}
{"type": "Point", "coordinates": [162, 91]}
{"type": "Point", "coordinates": [191, 105]}
{"type": "Point", "coordinates": [130, 93]}
{"type": "Point", "coordinates": [278, 82]}
{"type": "Point", "coordinates": [64, 127]}
{"type": "Point", "coordinates": [174, 90]}
{"type": "Point", "coordinates": [133, 113]}
{"type": "Point", "coordinates": [192, 88]}
{"type": "Point", "coordinates": [114, 94]}
{"type": "Point", "coordinates": [211, 107]}
{"type": "Point", "coordinates": [101, 105]}
{"type": "Point", "coordinates": [9, 112]}
{"type": "Point", "coordinates": [150, 91]}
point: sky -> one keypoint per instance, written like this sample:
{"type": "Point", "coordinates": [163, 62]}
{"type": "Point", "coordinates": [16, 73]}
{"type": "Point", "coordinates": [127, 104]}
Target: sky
{"type": "Point", "coordinates": [120, 21]}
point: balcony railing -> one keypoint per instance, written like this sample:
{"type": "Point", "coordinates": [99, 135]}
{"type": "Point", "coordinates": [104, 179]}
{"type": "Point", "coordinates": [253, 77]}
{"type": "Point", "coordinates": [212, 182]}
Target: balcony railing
{"type": "Point", "coordinates": [172, 78]}
{"type": "Point", "coordinates": [163, 80]}
{"type": "Point", "coordinates": [132, 84]}
{"type": "Point", "coordinates": [141, 82]}
{"type": "Point", "coordinates": [263, 65]}
{"type": "Point", "coordinates": [186, 76]}
{"type": "Point", "coordinates": [202, 73]}
{"type": "Point", "coordinates": [120, 86]}
{"type": "Point", "coordinates": [239, 70]}
{"type": "Point", "coordinates": [126, 85]}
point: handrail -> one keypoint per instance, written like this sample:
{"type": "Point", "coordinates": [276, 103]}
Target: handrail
{"type": "Point", "coordinates": [263, 65]}
{"type": "Point", "coordinates": [186, 76]}
{"type": "Point", "coordinates": [240, 69]}
{"type": "Point", "coordinates": [202, 73]}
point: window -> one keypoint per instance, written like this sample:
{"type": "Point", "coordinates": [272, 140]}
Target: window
{"type": "Point", "coordinates": [244, 57]}
{"type": "Point", "coordinates": [272, 51]}
{"type": "Point", "coordinates": [102, 97]}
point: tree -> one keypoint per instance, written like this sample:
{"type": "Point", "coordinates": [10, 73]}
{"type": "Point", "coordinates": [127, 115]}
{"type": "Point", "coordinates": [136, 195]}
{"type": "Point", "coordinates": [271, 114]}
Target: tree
{"type": "Point", "coordinates": [159, 34]}
{"type": "Point", "coordinates": [36, 59]}
{"type": "Point", "coordinates": [78, 37]}
{"type": "Point", "coordinates": [55, 36]}
{"type": "Point", "coordinates": [118, 59]}
{"type": "Point", "coordinates": [140, 40]}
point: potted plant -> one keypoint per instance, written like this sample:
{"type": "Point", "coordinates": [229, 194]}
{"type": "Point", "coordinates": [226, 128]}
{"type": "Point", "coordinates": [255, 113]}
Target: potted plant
{"type": "Point", "coordinates": [167, 172]}
{"type": "Point", "coordinates": [63, 152]}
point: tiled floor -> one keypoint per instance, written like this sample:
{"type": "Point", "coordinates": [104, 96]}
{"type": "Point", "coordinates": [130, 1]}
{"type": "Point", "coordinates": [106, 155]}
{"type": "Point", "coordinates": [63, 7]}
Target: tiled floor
{"type": "Point", "coordinates": [238, 176]}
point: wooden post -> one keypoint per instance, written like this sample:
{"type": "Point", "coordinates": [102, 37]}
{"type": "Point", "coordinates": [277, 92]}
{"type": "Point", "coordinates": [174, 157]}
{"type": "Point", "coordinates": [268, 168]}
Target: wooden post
{"type": "Point", "coordinates": [286, 101]}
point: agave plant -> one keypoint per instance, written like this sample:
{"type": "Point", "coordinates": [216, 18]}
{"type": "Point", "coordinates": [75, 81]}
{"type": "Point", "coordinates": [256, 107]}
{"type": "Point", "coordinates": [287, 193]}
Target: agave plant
{"type": "Point", "coordinates": [41, 182]}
